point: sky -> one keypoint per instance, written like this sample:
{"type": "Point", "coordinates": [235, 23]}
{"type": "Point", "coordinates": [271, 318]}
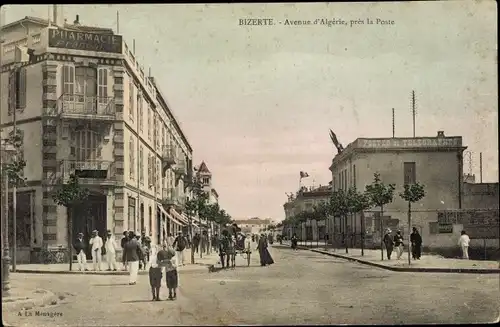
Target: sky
{"type": "Point", "coordinates": [256, 102]}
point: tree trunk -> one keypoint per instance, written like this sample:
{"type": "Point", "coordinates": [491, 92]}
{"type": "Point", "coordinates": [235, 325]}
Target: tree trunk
{"type": "Point", "coordinates": [69, 212]}
{"type": "Point", "coordinates": [409, 228]}
{"type": "Point", "coordinates": [191, 233]}
{"type": "Point", "coordinates": [345, 234]}
{"type": "Point", "coordinates": [362, 234]}
{"type": "Point", "coordinates": [381, 232]}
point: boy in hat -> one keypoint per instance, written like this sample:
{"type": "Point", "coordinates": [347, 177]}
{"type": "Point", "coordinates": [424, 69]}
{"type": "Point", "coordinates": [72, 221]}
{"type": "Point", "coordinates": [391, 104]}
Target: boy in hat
{"type": "Point", "coordinates": [79, 246]}
{"type": "Point", "coordinates": [155, 274]}
{"type": "Point", "coordinates": [96, 244]}
{"type": "Point", "coordinates": [110, 247]}
{"type": "Point", "coordinates": [171, 275]}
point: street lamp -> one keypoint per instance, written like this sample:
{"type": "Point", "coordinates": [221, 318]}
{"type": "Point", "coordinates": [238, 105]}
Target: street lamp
{"type": "Point", "coordinates": [7, 152]}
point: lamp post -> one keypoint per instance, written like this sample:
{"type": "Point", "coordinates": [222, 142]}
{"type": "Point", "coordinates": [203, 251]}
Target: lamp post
{"type": "Point", "coordinates": [6, 152]}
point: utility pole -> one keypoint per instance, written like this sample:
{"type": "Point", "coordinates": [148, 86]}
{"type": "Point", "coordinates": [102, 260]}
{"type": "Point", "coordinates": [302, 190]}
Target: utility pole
{"type": "Point", "coordinates": [14, 192]}
{"type": "Point", "coordinates": [480, 167]}
{"type": "Point", "coordinates": [413, 110]}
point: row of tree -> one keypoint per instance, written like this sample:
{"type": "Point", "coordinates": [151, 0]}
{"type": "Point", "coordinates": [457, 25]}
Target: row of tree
{"type": "Point", "coordinates": [344, 203]}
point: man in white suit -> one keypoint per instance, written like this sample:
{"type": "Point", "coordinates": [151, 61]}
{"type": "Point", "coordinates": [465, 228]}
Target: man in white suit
{"type": "Point", "coordinates": [96, 244]}
{"type": "Point", "coordinates": [110, 247]}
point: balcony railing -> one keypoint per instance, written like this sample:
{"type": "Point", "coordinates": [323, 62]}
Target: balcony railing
{"type": "Point", "coordinates": [180, 167]}
{"type": "Point", "coordinates": [173, 197]}
{"type": "Point", "coordinates": [168, 155]}
{"type": "Point", "coordinates": [88, 171]}
{"type": "Point", "coordinates": [82, 106]}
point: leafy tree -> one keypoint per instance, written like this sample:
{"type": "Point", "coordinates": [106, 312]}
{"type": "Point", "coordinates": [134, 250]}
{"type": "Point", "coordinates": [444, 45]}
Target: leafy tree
{"type": "Point", "coordinates": [380, 195]}
{"type": "Point", "coordinates": [15, 166]}
{"type": "Point", "coordinates": [70, 195]}
{"type": "Point", "coordinates": [339, 207]}
{"type": "Point", "coordinates": [412, 193]}
{"type": "Point", "coordinates": [357, 202]}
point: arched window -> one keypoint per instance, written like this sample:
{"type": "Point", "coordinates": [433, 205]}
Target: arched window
{"type": "Point", "coordinates": [86, 145]}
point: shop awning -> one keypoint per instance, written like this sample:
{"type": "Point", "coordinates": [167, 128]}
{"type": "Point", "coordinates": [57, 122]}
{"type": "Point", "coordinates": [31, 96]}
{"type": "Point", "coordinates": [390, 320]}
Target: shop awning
{"type": "Point", "coordinates": [179, 217]}
{"type": "Point", "coordinates": [169, 216]}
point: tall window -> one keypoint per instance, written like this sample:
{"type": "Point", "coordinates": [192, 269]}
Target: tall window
{"type": "Point", "coordinates": [150, 114]}
{"type": "Point", "coordinates": [17, 90]}
{"type": "Point", "coordinates": [85, 145]}
{"type": "Point", "coordinates": [68, 80]}
{"type": "Point", "coordinates": [410, 174]}
{"type": "Point", "coordinates": [150, 174]}
{"type": "Point", "coordinates": [158, 178]}
{"type": "Point", "coordinates": [131, 98]}
{"type": "Point", "coordinates": [102, 85]}
{"type": "Point", "coordinates": [139, 108]}
{"type": "Point", "coordinates": [164, 137]}
{"type": "Point", "coordinates": [85, 81]}
{"type": "Point", "coordinates": [354, 175]}
{"type": "Point", "coordinates": [131, 214]}
{"type": "Point", "coordinates": [141, 165]}
{"type": "Point", "coordinates": [131, 158]}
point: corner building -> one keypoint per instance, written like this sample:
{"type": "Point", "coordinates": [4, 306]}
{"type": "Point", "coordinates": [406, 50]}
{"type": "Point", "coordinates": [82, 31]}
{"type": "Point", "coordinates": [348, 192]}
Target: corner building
{"type": "Point", "coordinates": [84, 106]}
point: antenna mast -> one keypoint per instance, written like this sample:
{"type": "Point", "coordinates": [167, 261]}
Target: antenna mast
{"type": "Point", "coordinates": [413, 110]}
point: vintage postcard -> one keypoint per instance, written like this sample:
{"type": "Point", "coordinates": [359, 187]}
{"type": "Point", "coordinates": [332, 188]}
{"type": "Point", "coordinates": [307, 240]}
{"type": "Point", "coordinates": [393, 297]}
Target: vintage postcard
{"type": "Point", "coordinates": [249, 164]}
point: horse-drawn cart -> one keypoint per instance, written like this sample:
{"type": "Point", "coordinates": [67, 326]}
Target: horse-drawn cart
{"type": "Point", "coordinates": [243, 247]}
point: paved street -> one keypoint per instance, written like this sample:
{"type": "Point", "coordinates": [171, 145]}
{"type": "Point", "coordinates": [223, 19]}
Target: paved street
{"type": "Point", "coordinates": [301, 288]}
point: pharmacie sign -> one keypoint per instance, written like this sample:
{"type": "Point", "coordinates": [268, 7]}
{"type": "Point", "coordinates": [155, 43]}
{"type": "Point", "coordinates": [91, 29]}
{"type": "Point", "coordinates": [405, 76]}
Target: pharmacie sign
{"type": "Point", "coordinates": [59, 38]}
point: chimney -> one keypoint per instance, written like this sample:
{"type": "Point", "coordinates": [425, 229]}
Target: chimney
{"type": "Point", "coordinates": [58, 15]}
{"type": "Point", "coordinates": [440, 134]}
{"type": "Point", "coordinates": [77, 20]}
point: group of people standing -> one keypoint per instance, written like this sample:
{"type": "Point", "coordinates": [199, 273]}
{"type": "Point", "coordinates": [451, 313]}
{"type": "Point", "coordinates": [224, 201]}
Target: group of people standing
{"type": "Point", "coordinates": [396, 243]}
{"type": "Point", "coordinates": [97, 247]}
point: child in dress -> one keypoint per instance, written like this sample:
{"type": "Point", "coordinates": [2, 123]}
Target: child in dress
{"type": "Point", "coordinates": [155, 271]}
{"type": "Point", "coordinates": [170, 264]}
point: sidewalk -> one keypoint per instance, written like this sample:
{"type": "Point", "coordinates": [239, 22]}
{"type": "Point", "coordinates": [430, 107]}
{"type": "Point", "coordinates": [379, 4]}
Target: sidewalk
{"type": "Point", "coordinates": [428, 262]}
{"type": "Point", "coordinates": [24, 296]}
{"type": "Point", "coordinates": [63, 268]}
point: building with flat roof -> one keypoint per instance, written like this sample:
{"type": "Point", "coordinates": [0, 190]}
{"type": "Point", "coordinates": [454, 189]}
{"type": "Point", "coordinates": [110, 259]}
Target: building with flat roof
{"type": "Point", "coordinates": [85, 106]}
{"type": "Point", "coordinates": [436, 162]}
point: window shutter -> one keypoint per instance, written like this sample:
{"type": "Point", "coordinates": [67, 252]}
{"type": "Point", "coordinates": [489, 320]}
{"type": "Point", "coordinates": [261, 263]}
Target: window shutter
{"type": "Point", "coordinates": [12, 93]}
{"type": "Point", "coordinates": [102, 84]}
{"type": "Point", "coordinates": [22, 89]}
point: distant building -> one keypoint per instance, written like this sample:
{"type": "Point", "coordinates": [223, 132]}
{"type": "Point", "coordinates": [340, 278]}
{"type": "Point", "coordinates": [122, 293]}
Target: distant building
{"type": "Point", "coordinates": [253, 225]}
{"type": "Point", "coordinates": [204, 175]}
{"type": "Point", "coordinates": [305, 200]}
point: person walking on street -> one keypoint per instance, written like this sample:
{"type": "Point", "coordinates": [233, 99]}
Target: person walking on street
{"type": "Point", "coordinates": [196, 242]}
{"type": "Point", "coordinates": [265, 256]}
{"type": "Point", "coordinates": [179, 246]}
{"type": "Point", "coordinates": [389, 243]}
{"type": "Point", "coordinates": [416, 244]}
{"type": "Point", "coordinates": [124, 241]}
{"type": "Point", "coordinates": [110, 247]}
{"type": "Point", "coordinates": [294, 241]}
{"type": "Point", "coordinates": [146, 243]}
{"type": "Point", "coordinates": [169, 261]}
{"type": "Point", "coordinates": [96, 244]}
{"type": "Point", "coordinates": [79, 246]}
{"type": "Point", "coordinates": [131, 255]}
{"type": "Point", "coordinates": [463, 242]}
{"type": "Point", "coordinates": [155, 269]}
{"type": "Point", "coordinates": [398, 244]}
{"type": "Point", "coordinates": [170, 240]}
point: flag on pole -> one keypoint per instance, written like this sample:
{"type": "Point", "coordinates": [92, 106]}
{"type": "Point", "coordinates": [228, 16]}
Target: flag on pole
{"type": "Point", "coordinates": [336, 142]}
{"type": "Point", "coordinates": [303, 174]}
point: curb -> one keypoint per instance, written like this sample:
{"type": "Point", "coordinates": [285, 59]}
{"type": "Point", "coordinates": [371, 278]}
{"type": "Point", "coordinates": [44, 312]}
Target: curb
{"type": "Point", "coordinates": [100, 273]}
{"type": "Point", "coordinates": [48, 298]}
{"type": "Point", "coordinates": [408, 269]}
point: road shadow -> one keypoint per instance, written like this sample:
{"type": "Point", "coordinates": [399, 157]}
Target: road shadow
{"type": "Point", "coordinates": [116, 284]}
{"type": "Point", "coordinates": [140, 301]}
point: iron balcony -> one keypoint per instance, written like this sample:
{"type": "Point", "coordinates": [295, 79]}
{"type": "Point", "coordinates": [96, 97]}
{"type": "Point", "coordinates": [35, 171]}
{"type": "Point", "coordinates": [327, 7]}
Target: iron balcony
{"type": "Point", "coordinates": [76, 106]}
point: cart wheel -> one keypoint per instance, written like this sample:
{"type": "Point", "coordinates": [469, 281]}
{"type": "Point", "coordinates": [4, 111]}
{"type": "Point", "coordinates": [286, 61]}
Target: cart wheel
{"type": "Point", "coordinates": [248, 259]}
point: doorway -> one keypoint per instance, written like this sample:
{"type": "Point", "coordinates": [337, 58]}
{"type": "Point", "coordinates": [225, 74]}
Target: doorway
{"type": "Point", "coordinates": [88, 217]}
{"type": "Point", "coordinates": [86, 88]}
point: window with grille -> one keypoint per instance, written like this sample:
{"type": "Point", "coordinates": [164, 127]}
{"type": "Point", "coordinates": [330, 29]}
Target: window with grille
{"type": "Point", "coordinates": [141, 165]}
{"type": "Point", "coordinates": [140, 109]}
{"type": "Point", "coordinates": [131, 98]}
{"type": "Point", "coordinates": [131, 158]}
{"type": "Point", "coordinates": [86, 145]}
{"type": "Point", "coordinates": [410, 175]}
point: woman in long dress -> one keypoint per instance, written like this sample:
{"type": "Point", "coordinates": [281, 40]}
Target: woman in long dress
{"type": "Point", "coordinates": [265, 256]}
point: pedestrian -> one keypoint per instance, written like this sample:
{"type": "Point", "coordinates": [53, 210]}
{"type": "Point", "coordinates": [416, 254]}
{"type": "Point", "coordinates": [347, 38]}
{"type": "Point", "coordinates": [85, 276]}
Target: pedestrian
{"type": "Point", "coordinates": [196, 242]}
{"type": "Point", "coordinates": [170, 240]}
{"type": "Point", "coordinates": [96, 245]}
{"type": "Point", "coordinates": [223, 247]}
{"type": "Point", "coordinates": [416, 244]}
{"type": "Point", "coordinates": [146, 243]}
{"type": "Point", "coordinates": [155, 270]}
{"type": "Point", "coordinates": [110, 247]}
{"type": "Point", "coordinates": [398, 244]}
{"type": "Point", "coordinates": [388, 242]}
{"type": "Point", "coordinates": [215, 242]}
{"type": "Point", "coordinates": [171, 274]}
{"type": "Point", "coordinates": [179, 245]}
{"type": "Point", "coordinates": [463, 242]}
{"type": "Point", "coordinates": [294, 241]}
{"type": "Point", "coordinates": [79, 246]}
{"type": "Point", "coordinates": [132, 254]}
{"type": "Point", "coordinates": [265, 256]}
{"type": "Point", "coordinates": [124, 241]}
